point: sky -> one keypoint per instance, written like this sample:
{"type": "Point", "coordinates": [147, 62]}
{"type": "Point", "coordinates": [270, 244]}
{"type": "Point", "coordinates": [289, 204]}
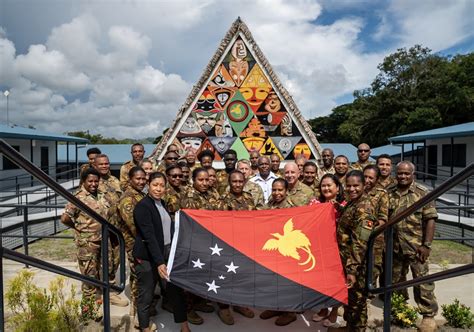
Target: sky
{"type": "Point", "coordinates": [123, 68]}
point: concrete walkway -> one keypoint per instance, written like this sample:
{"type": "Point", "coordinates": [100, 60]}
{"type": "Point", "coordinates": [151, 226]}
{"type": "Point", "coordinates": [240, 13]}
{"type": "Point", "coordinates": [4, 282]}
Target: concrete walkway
{"type": "Point", "coordinates": [446, 291]}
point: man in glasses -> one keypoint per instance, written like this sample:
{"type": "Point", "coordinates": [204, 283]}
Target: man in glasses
{"type": "Point", "coordinates": [170, 159]}
{"type": "Point", "coordinates": [174, 174]}
{"type": "Point", "coordinates": [363, 153]}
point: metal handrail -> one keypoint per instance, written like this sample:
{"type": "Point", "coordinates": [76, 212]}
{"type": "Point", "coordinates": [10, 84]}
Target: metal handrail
{"type": "Point", "coordinates": [22, 162]}
{"type": "Point", "coordinates": [388, 229]}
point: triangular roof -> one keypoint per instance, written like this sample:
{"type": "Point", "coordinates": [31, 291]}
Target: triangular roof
{"type": "Point", "coordinates": [240, 31]}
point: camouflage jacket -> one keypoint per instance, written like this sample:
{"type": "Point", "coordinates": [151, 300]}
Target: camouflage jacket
{"type": "Point", "coordinates": [124, 174]}
{"type": "Point", "coordinates": [121, 215]}
{"type": "Point", "coordinates": [110, 186]}
{"type": "Point", "coordinates": [389, 182]}
{"type": "Point", "coordinates": [342, 180]}
{"type": "Point", "coordinates": [256, 193]}
{"type": "Point", "coordinates": [229, 202]}
{"type": "Point", "coordinates": [315, 188]}
{"type": "Point", "coordinates": [194, 199]}
{"type": "Point", "coordinates": [172, 199]}
{"type": "Point", "coordinates": [354, 228]}
{"type": "Point", "coordinates": [286, 203]}
{"type": "Point", "coordinates": [360, 166]}
{"type": "Point", "coordinates": [323, 171]}
{"type": "Point", "coordinates": [222, 181]}
{"type": "Point", "coordinates": [301, 194]}
{"type": "Point", "coordinates": [409, 232]}
{"type": "Point", "coordinates": [214, 193]}
{"type": "Point", "coordinates": [87, 228]}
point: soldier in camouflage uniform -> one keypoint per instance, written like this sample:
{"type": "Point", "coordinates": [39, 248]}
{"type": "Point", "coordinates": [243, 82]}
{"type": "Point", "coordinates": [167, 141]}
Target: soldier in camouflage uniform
{"type": "Point", "coordinates": [379, 200]}
{"type": "Point", "coordinates": [186, 181]}
{"type": "Point", "coordinates": [386, 180]}
{"type": "Point", "coordinates": [236, 199]}
{"type": "Point", "coordinates": [191, 160]}
{"type": "Point", "coordinates": [412, 241]}
{"type": "Point", "coordinates": [91, 154]}
{"type": "Point", "coordinates": [121, 216]}
{"type": "Point", "coordinates": [357, 222]}
{"type": "Point", "coordinates": [363, 153]}
{"type": "Point", "coordinates": [243, 165]}
{"type": "Point", "coordinates": [279, 198]}
{"type": "Point", "coordinates": [310, 177]}
{"type": "Point", "coordinates": [298, 192]}
{"type": "Point", "coordinates": [275, 165]}
{"type": "Point", "coordinates": [206, 158]}
{"type": "Point", "coordinates": [87, 231]}
{"type": "Point", "coordinates": [253, 158]}
{"type": "Point", "coordinates": [212, 189]}
{"type": "Point", "coordinates": [109, 185]}
{"type": "Point", "coordinates": [170, 159]}
{"type": "Point", "coordinates": [341, 165]}
{"type": "Point", "coordinates": [174, 191]}
{"type": "Point", "coordinates": [230, 159]}
{"type": "Point", "coordinates": [137, 151]}
{"type": "Point", "coordinates": [300, 160]}
{"type": "Point", "coordinates": [328, 163]}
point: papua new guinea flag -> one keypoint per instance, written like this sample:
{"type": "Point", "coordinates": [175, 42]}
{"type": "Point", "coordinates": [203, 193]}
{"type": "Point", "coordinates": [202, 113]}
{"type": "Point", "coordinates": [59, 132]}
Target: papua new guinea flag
{"type": "Point", "coordinates": [282, 259]}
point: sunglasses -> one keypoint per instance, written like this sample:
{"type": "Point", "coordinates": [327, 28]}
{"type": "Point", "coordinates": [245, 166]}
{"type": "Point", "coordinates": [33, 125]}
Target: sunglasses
{"type": "Point", "coordinates": [363, 150]}
{"type": "Point", "coordinates": [176, 176]}
{"type": "Point", "coordinates": [171, 158]}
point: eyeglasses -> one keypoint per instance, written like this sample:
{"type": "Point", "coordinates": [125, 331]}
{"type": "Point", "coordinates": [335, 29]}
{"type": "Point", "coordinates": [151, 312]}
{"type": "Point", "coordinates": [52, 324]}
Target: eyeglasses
{"type": "Point", "coordinates": [360, 150]}
{"type": "Point", "coordinates": [171, 158]}
{"type": "Point", "coordinates": [176, 176]}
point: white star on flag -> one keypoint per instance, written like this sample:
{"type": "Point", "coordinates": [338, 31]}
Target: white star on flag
{"type": "Point", "coordinates": [232, 267]}
{"type": "Point", "coordinates": [197, 263]}
{"type": "Point", "coordinates": [216, 250]}
{"type": "Point", "coordinates": [221, 277]}
{"type": "Point", "coordinates": [212, 286]}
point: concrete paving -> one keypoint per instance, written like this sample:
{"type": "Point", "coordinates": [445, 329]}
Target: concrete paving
{"type": "Point", "coordinates": [446, 291]}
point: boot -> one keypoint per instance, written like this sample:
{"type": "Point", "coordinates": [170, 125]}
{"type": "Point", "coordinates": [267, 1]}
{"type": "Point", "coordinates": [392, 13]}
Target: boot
{"type": "Point", "coordinates": [226, 316]}
{"type": "Point", "coordinates": [115, 299]}
{"type": "Point", "coordinates": [428, 324]}
{"type": "Point", "coordinates": [285, 319]}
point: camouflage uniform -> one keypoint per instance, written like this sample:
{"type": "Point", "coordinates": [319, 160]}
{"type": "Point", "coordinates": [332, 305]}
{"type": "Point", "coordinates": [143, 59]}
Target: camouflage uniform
{"type": "Point", "coordinates": [286, 203]}
{"type": "Point", "coordinates": [229, 202]}
{"type": "Point", "coordinates": [301, 194]}
{"type": "Point", "coordinates": [279, 174]}
{"type": "Point", "coordinates": [256, 192]}
{"type": "Point", "coordinates": [353, 230]}
{"type": "Point", "coordinates": [124, 174]}
{"type": "Point", "coordinates": [360, 166]}
{"type": "Point", "coordinates": [222, 181]}
{"type": "Point", "coordinates": [121, 216]}
{"type": "Point", "coordinates": [408, 236]}
{"type": "Point", "coordinates": [323, 171]}
{"type": "Point", "coordinates": [389, 182]}
{"type": "Point", "coordinates": [172, 199]}
{"type": "Point", "coordinates": [83, 168]}
{"type": "Point", "coordinates": [315, 188]}
{"type": "Point", "coordinates": [196, 200]}
{"type": "Point", "coordinates": [87, 237]}
{"type": "Point", "coordinates": [197, 164]}
{"type": "Point", "coordinates": [110, 186]}
{"type": "Point", "coordinates": [342, 180]}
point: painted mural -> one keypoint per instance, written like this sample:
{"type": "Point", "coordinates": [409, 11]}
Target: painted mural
{"type": "Point", "coordinates": [240, 110]}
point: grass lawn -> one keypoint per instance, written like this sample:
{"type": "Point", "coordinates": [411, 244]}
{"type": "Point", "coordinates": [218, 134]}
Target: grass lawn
{"type": "Point", "coordinates": [54, 249]}
{"type": "Point", "coordinates": [449, 252]}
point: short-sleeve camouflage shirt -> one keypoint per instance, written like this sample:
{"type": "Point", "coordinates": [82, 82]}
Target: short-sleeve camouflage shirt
{"type": "Point", "coordinates": [230, 202]}
{"type": "Point", "coordinates": [301, 194]}
{"type": "Point", "coordinates": [194, 199]}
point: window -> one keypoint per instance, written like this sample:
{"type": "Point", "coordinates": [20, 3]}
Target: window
{"type": "Point", "coordinates": [7, 163]}
{"type": "Point", "coordinates": [459, 155]}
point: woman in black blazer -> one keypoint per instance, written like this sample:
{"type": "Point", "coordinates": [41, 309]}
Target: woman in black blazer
{"type": "Point", "coordinates": [151, 250]}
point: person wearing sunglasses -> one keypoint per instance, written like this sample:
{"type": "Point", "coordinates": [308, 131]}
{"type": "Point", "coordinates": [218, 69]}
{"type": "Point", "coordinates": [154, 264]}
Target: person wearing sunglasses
{"type": "Point", "coordinates": [363, 153]}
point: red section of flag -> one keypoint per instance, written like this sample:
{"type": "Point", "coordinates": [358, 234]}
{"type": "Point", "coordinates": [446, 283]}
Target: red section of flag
{"type": "Point", "coordinates": [248, 231]}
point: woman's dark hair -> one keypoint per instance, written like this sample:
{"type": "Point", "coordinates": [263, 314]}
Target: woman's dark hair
{"type": "Point", "coordinates": [157, 175]}
{"type": "Point", "coordinates": [204, 153]}
{"type": "Point", "coordinates": [197, 171]}
{"type": "Point", "coordinates": [89, 171]}
{"type": "Point", "coordinates": [134, 170]}
{"type": "Point", "coordinates": [93, 151]}
{"type": "Point", "coordinates": [356, 173]}
{"type": "Point", "coordinates": [340, 191]}
{"type": "Point", "coordinates": [285, 183]}
{"type": "Point", "coordinates": [374, 168]}
{"type": "Point", "coordinates": [170, 168]}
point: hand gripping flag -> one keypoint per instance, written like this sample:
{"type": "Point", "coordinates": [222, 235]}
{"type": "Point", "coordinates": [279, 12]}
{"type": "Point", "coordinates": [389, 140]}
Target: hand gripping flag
{"type": "Point", "coordinates": [283, 259]}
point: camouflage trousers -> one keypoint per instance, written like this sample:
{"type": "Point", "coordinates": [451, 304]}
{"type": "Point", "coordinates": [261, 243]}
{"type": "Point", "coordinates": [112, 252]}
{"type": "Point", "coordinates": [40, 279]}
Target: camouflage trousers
{"type": "Point", "coordinates": [88, 257]}
{"type": "Point", "coordinates": [114, 259]}
{"type": "Point", "coordinates": [379, 247]}
{"type": "Point", "coordinates": [424, 293]}
{"type": "Point", "coordinates": [133, 279]}
{"type": "Point", "coordinates": [355, 313]}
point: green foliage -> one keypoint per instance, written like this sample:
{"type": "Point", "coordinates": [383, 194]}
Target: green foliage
{"type": "Point", "coordinates": [91, 309]}
{"type": "Point", "coordinates": [403, 314]}
{"type": "Point", "coordinates": [415, 90]}
{"type": "Point", "coordinates": [35, 309]}
{"type": "Point", "coordinates": [458, 315]}
{"type": "Point", "coordinates": [99, 139]}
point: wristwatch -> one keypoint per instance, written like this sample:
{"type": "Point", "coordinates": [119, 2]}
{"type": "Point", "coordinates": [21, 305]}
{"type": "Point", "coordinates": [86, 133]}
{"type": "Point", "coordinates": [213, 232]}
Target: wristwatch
{"type": "Point", "coordinates": [427, 245]}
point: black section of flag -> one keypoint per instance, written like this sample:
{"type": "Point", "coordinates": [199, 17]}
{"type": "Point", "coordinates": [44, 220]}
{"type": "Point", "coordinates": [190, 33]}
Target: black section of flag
{"type": "Point", "coordinates": [209, 273]}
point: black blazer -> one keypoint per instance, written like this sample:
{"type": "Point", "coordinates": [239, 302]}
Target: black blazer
{"type": "Point", "coordinates": [149, 243]}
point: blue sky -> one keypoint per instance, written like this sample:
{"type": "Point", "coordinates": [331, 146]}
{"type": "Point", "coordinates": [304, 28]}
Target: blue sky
{"type": "Point", "coordinates": [129, 66]}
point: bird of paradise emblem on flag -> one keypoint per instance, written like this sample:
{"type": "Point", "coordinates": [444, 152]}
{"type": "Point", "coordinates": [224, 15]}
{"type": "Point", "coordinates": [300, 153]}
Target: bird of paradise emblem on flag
{"type": "Point", "coordinates": [289, 243]}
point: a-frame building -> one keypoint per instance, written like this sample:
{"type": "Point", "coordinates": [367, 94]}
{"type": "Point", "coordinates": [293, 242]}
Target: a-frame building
{"type": "Point", "coordinates": [239, 103]}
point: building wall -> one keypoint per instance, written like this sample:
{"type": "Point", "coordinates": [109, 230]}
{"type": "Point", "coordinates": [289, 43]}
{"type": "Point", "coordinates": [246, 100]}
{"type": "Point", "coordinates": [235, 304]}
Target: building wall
{"type": "Point", "coordinates": [25, 150]}
{"type": "Point", "coordinates": [445, 170]}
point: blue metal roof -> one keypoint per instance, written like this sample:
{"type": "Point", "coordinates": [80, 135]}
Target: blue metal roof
{"type": "Point", "coordinates": [117, 153]}
{"type": "Point", "coordinates": [28, 133]}
{"type": "Point", "coordinates": [393, 150]}
{"type": "Point", "coordinates": [461, 130]}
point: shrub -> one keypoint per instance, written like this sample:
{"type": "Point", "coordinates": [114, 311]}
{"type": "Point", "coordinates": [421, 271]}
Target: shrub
{"type": "Point", "coordinates": [457, 315]}
{"type": "Point", "coordinates": [34, 309]}
{"type": "Point", "coordinates": [403, 314]}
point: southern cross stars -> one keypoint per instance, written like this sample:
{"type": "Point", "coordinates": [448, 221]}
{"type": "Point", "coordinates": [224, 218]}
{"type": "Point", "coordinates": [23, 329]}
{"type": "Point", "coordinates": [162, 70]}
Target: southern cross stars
{"type": "Point", "coordinates": [216, 250]}
{"type": "Point", "coordinates": [212, 286]}
{"type": "Point", "coordinates": [197, 263]}
{"type": "Point", "coordinates": [232, 267]}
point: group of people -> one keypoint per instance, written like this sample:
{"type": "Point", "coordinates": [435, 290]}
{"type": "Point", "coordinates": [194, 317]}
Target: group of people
{"type": "Point", "coordinates": [142, 203]}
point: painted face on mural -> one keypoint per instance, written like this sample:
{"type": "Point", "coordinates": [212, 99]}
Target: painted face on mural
{"type": "Point", "coordinates": [254, 96]}
{"type": "Point", "coordinates": [302, 149]}
{"type": "Point", "coordinates": [286, 126]}
{"type": "Point", "coordinates": [190, 126]}
{"type": "Point", "coordinates": [254, 129]}
{"type": "Point", "coordinates": [239, 51]}
{"type": "Point", "coordinates": [272, 103]}
{"type": "Point", "coordinates": [206, 120]}
{"type": "Point", "coordinates": [191, 142]}
{"type": "Point", "coordinates": [223, 128]}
